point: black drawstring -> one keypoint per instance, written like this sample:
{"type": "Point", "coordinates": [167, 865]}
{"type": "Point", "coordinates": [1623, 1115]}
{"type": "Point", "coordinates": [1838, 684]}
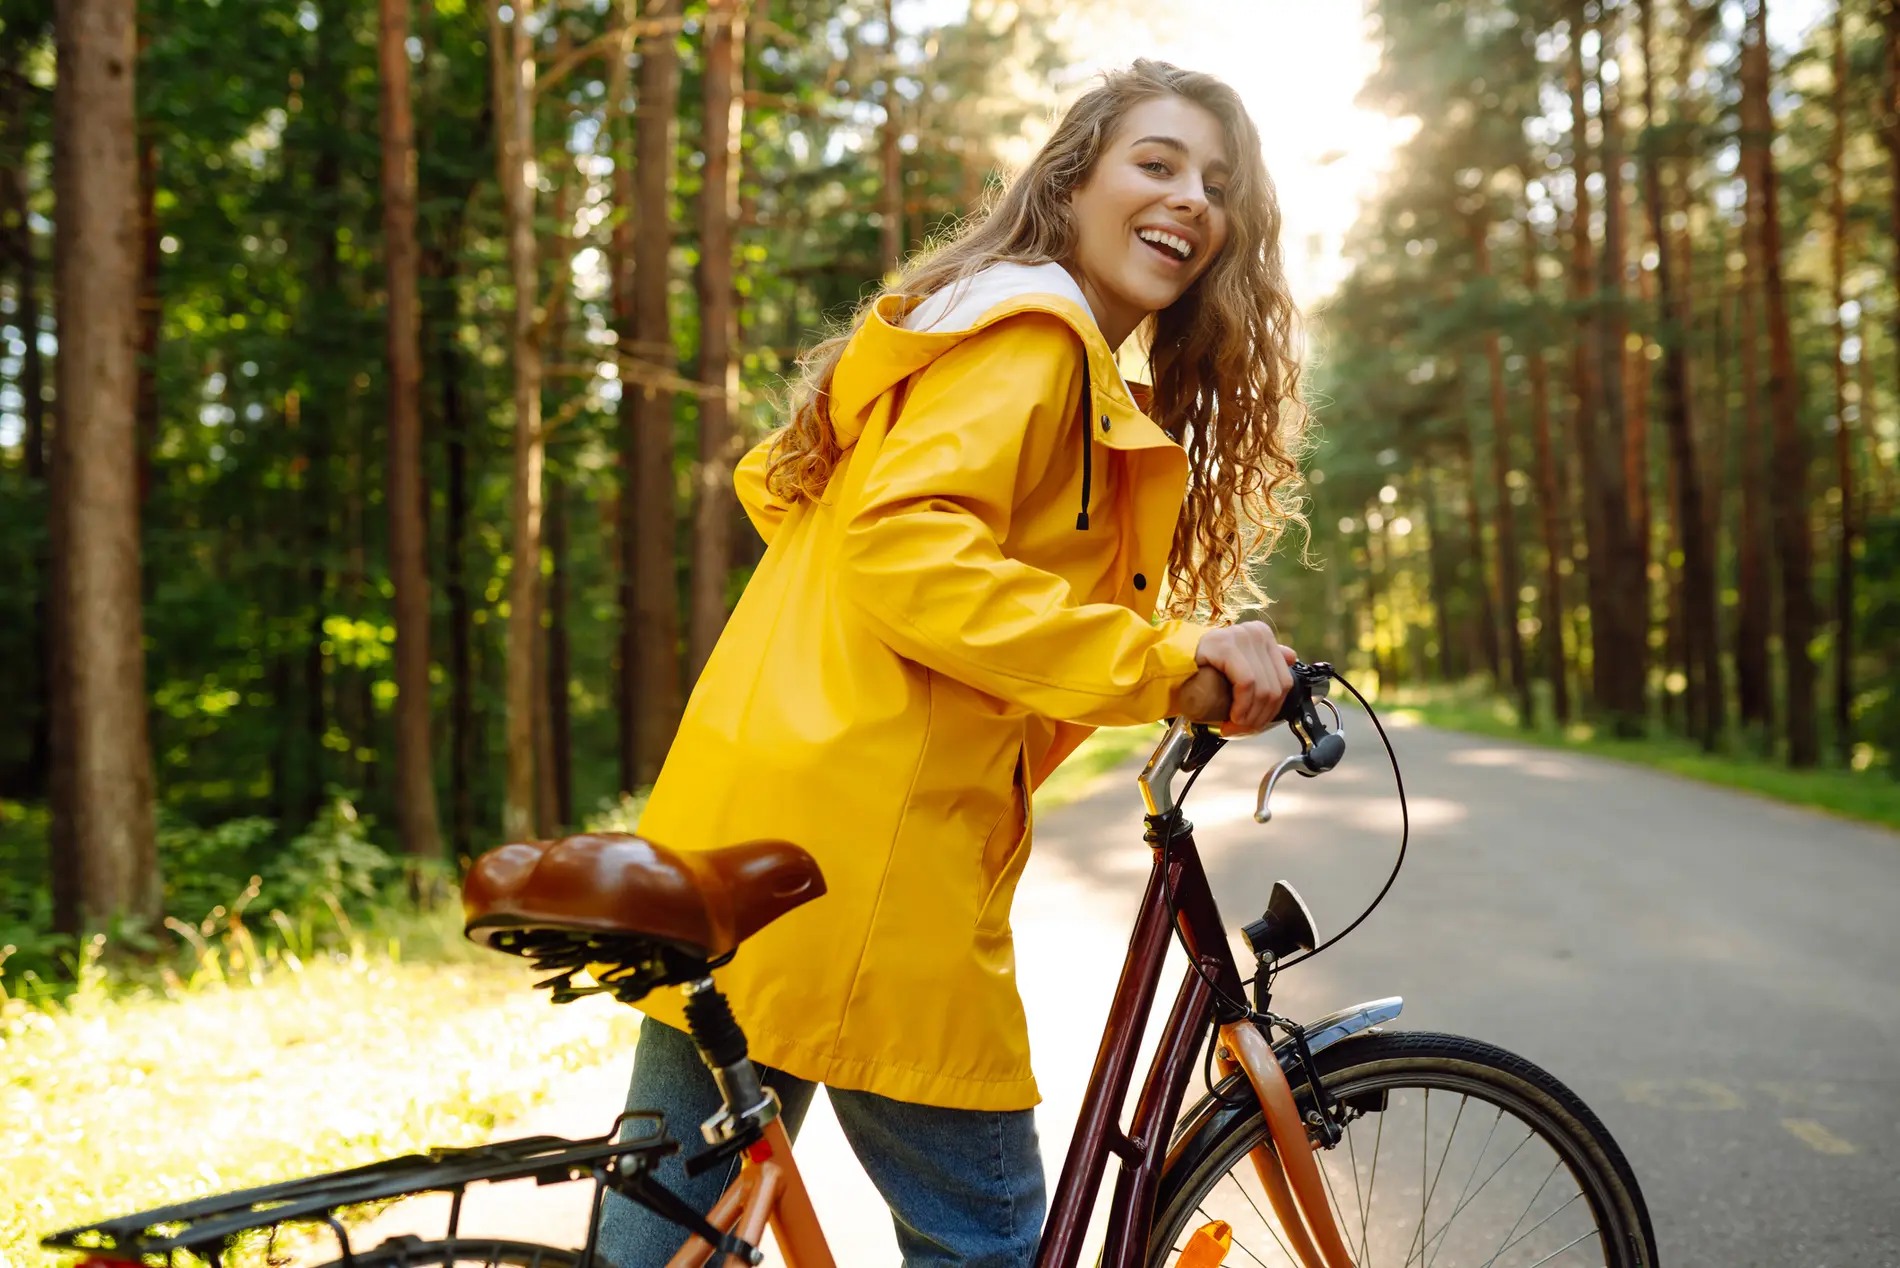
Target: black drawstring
{"type": "Point", "coordinates": [1088, 443]}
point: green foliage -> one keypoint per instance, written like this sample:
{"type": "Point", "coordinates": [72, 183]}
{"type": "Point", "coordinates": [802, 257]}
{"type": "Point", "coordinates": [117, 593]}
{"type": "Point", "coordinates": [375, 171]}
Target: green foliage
{"type": "Point", "coordinates": [332, 860]}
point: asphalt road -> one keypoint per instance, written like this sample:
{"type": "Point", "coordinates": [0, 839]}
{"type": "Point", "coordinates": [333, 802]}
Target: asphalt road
{"type": "Point", "coordinates": [1718, 976]}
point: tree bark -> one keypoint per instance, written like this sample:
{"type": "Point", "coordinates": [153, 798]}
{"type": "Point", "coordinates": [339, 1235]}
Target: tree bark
{"type": "Point", "coordinates": [1755, 701]}
{"type": "Point", "coordinates": [455, 428]}
{"type": "Point", "coordinates": [1845, 528]}
{"type": "Point", "coordinates": [99, 725]}
{"type": "Point", "coordinates": [1598, 573]}
{"type": "Point", "coordinates": [1889, 123]}
{"type": "Point", "coordinates": [655, 662]}
{"type": "Point", "coordinates": [512, 58]}
{"type": "Point", "coordinates": [1551, 518]}
{"type": "Point", "coordinates": [1506, 518]}
{"type": "Point", "coordinates": [416, 824]}
{"type": "Point", "coordinates": [1440, 572]}
{"type": "Point", "coordinates": [718, 329]}
{"type": "Point", "coordinates": [1701, 643]}
{"type": "Point", "coordinates": [1474, 531]}
{"type": "Point", "coordinates": [1622, 675]}
{"type": "Point", "coordinates": [891, 208]}
{"type": "Point", "coordinates": [620, 268]}
{"type": "Point", "coordinates": [1789, 490]}
{"type": "Point", "coordinates": [560, 749]}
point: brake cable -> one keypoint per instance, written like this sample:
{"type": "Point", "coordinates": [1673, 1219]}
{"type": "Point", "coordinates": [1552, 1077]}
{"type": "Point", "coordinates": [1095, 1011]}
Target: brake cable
{"type": "Point", "coordinates": [1244, 1009]}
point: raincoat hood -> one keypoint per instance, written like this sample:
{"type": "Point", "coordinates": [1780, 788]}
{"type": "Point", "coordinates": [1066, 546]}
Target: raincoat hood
{"type": "Point", "coordinates": [902, 335]}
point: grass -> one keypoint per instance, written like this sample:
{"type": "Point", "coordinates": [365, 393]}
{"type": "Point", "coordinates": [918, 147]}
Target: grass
{"type": "Point", "coordinates": [1866, 796]}
{"type": "Point", "coordinates": [271, 1065]}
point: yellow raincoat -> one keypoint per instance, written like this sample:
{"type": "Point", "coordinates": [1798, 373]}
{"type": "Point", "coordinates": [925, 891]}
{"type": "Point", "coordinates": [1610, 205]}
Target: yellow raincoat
{"type": "Point", "coordinates": [914, 652]}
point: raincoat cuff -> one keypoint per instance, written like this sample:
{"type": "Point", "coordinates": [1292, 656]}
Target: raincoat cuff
{"type": "Point", "coordinates": [1176, 656]}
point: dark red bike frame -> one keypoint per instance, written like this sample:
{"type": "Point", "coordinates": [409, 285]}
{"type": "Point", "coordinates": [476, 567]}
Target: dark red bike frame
{"type": "Point", "coordinates": [1098, 1134]}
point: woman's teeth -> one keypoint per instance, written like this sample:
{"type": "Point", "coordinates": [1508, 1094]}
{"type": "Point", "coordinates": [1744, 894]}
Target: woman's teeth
{"type": "Point", "coordinates": [1179, 246]}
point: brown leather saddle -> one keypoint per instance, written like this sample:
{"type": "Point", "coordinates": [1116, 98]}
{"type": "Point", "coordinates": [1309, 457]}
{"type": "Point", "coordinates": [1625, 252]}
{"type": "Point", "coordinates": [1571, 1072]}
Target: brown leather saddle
{"type": "Point", "coordinates": [636, 914]}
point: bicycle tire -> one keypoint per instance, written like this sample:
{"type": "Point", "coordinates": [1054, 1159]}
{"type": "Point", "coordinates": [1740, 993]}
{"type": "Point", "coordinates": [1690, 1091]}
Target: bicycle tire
{"type": "Point", "coordinates": [410, 1251]}
{"type": "Point", "coordinates": [1377, 1065]}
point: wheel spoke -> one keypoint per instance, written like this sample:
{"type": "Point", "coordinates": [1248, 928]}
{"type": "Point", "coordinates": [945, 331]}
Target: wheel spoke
{"type": "Point", "coordinates": [1261, 1216]}
{"type": "Point", "coordinates": [1243, 1246]}
{"type": "Point", "coordinates": [1432, 1191]}
{"type": "Point", "coordinates": [1561, 1249]}
{"type": "Point", "coordinates": [1372, 1183]}
{"type": "Point", "coordinates": [1507, 1242]}
{"type": "Point", "coordinates": [1446, 1227]}
{"type": "Point", "coordinates": [1496, 1121]}
{"type": "Point", "coordinates": [1353, 1156]}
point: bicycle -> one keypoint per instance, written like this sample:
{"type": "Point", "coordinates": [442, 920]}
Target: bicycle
{"type": "Point", "coordinates": [1290, 1114]}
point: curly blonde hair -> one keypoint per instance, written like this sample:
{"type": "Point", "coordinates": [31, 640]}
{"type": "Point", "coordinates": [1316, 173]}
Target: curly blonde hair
{"type": "Point", "coordinates": [1223, 359]}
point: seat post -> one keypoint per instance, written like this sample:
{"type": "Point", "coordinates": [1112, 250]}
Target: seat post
{"type": "Point", "coordinates": [722, 1046]}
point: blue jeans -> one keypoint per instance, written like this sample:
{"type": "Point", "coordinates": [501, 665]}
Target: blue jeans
{"type": "Point", "coordinates": [964, 1186]}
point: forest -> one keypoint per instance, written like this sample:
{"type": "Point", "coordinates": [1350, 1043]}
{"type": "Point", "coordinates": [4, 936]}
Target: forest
{"type": "Point", "coordinates": [372, 376]}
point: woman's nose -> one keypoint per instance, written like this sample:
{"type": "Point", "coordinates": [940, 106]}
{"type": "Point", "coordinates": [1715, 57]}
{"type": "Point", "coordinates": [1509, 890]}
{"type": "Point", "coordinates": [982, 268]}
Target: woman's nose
{"type": "Point", "coordinates": [1189, 197]}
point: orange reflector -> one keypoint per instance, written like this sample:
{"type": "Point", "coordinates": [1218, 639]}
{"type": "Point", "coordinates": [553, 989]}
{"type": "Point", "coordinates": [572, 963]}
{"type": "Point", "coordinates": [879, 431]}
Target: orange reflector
{"type": "Point", "coordinates": [1208, 1247]}
{"type": "Point", "coordinates": [758, 1151]}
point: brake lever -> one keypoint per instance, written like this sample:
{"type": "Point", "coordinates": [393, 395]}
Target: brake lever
{"type": "Point", "coordinates": [1320, 749]}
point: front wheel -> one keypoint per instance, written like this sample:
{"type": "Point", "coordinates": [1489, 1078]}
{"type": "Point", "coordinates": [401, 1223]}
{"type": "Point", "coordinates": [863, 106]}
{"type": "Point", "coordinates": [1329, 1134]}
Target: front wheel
{"type": "Point", "coordinates": [1455, 1154]}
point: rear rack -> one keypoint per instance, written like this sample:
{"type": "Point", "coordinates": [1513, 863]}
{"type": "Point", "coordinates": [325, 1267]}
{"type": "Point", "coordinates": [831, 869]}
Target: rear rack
{"type": "Point", "coordinates": [206, 1226]}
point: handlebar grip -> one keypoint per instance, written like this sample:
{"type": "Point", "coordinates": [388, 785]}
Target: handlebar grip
{"type": "Point", "coordinates": [1207, 696]}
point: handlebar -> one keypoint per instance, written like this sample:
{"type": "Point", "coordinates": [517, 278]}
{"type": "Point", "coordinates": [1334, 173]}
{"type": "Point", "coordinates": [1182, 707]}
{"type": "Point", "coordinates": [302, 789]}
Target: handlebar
{"type": "Point", "coordinates": [1208, 698]}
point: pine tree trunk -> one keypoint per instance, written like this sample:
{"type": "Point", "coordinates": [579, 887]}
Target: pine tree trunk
{"type": "Point", "coordinates": [1789, 490]}
{"type": "Point", "coordinates": [620, 270]}
{"type": "Point", "coordinates": [1622, 676]}
{"type": "Point", "coordinates": [1599, 578]}
{"type": "Point", "coordinates": [455, 428]}
{"type": "Point", "coordinates": [1440, 570]}
{"type": "Point", "coordinates": [1843, 426]}
{"type": "Point", "coordinates": [513, 62]}
{"type": "Point", "coordinates": [99, 723]}
{"type": "Point", "coordinates": [416, 824]}
{"type": "Point", "coordinates": [891, 210]}
{"type": "Point", "coordinates": [1701, 641]}
{"type": "Point", "coordinates": [656, 650]}
{"type": "Point", "coordinates": [1506, 519]}
{"type": "Point", "coordinates": [1889, 120]}
{"type": "Point", "coordinates": [718, 327]}
{"type": "Point", "coordinates": [1550, 509]}
{"type": "Point", "coordinates": [559, 662]}
{"type": "Point", "coordinates": [1487, 618]}
{"type": "Point", "coordinates": [1755, 701]}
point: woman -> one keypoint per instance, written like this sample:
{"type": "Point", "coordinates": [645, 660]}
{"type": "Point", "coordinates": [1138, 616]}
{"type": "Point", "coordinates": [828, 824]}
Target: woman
{"type": "Point", "coordinates": [970, 522]}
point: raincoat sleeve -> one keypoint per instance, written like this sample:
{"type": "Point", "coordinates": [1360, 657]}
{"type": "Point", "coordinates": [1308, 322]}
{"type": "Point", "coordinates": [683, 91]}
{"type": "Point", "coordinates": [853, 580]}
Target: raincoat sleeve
{"type": "Point", "coordinates": [922, 557]}
{"type": "Point", "coordinates": [764, 510]}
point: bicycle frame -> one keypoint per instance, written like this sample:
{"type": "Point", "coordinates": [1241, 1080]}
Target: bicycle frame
{"type": "Point", "coordinates": [769, 1187]}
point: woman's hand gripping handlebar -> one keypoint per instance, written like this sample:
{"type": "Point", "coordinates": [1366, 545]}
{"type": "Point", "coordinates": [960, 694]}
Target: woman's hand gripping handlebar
{"type": "Point", "coordinates": [1255, 669]}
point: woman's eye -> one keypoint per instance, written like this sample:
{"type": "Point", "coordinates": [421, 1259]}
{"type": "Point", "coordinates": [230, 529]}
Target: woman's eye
{"type": "Point", "coordinates": [1156, 166]}
{"type": "Point", "coordinates": [1216, 192]}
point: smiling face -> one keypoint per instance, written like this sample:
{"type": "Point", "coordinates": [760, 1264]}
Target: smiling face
{"type": "Point", "coordinates": [1151, 217]}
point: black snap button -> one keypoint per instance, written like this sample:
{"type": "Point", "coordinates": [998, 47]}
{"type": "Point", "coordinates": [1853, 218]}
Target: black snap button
{"type": "Point", "coordinates": [1141, 582]}
{"type": "Point", "coordinates": [1105, 422]}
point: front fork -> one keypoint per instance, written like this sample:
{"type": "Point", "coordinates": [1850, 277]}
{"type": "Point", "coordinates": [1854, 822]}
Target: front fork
{"type": "Point", "coordinates": [1287, 1168]}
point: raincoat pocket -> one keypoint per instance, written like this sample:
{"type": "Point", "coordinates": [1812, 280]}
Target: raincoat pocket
{"type": "Point", "coordinates": [1005, 854]}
